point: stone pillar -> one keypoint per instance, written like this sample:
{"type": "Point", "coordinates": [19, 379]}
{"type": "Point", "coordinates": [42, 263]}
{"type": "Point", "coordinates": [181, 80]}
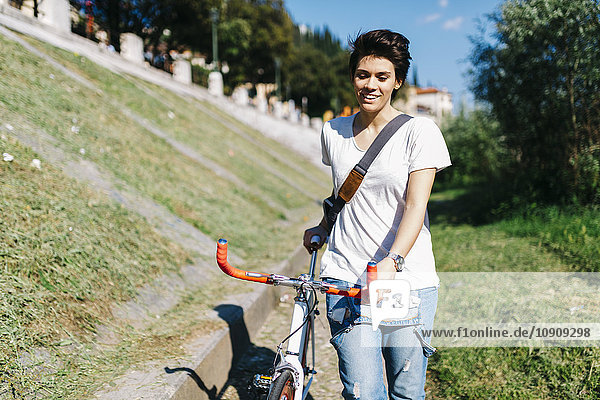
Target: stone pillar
{"type": "Point", "coordinates": [316, 123]}
{"type": "Point", "coordinates": [182, 71]}
{"type": "Point", "coordinates": [27, 8]}
{"type": "Point", "coordinates": [293, 113]}
{"type": "Point", "coordinates": [56, 13]}
{"type": "Point", "coordinates": [305, 120]}
{"type": "Point", "coordinates": [215, 83]}
{"type": "Point", "coordinates": [278, 109]}
{"type": "Point", "coordinates": [132, 47]}
{"type": "Point", "coordinates": [262, 105]}
{"type": "Point", "coordinates": [240, 96]}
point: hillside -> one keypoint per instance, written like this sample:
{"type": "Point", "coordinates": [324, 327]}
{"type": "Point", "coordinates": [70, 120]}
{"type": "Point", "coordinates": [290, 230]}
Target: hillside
{"type": "Point", "coordinates": [135, 184]}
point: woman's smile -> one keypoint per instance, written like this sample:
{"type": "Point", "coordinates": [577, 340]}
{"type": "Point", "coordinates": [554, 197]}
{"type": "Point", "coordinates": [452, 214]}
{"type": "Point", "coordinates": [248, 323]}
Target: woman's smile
{"type": "Point", "coordinates": [370, 97]}
{"type": "Point", "coordinates": [374, 81]}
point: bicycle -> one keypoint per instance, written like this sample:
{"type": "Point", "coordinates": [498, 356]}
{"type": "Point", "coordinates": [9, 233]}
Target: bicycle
{"type": "Point", "coordinates": [291, 368]}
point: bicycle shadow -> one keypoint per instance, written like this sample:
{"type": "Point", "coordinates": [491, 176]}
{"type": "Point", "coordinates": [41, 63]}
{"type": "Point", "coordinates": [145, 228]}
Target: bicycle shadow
{"type": "Point", "coordinates": [247, 360]}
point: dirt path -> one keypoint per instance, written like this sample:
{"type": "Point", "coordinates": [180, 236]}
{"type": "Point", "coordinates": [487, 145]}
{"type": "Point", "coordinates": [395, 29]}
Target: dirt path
{"type": "Point", "coordinates": [259, 357]}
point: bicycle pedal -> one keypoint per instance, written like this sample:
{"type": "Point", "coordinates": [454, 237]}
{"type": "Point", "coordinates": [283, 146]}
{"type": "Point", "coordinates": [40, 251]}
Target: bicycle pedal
{"type": "Point", "coordinates": [262, 382]}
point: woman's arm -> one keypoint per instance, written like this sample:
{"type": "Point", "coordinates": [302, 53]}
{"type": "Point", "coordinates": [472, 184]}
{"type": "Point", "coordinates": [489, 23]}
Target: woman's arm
{"type": "Point", "coordinates": [417, 195]}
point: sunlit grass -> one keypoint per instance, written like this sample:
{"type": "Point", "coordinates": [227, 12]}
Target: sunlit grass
{"type": "Point", "coordinates": [68, 254]}
{"type": "Point", "coordinates": [538, 239]}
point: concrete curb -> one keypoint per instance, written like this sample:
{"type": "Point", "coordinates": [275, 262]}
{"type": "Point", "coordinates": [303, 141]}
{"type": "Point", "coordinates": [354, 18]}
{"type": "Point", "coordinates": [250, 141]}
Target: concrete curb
{"type": "Point", "coordinates": [204, 373]}
{"type": "Point", "coordinates": [231, 344]}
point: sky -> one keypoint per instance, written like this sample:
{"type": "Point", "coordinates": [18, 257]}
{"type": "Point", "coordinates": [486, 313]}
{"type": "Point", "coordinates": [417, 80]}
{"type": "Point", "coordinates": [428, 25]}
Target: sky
{"type": "Point", "coordinates": [438, 31]}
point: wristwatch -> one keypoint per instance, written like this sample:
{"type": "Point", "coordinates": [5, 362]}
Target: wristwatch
{"type": "Point", "coordinates": [398, 260]}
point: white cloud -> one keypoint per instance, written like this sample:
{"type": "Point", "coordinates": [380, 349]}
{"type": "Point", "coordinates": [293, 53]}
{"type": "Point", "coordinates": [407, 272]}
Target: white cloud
{"type": "Point", "coordinates": [443, 3]}
{"type": "Point", "coordinates": [431, 17]}
{"type": "Point", "coordinates": [453, 24]}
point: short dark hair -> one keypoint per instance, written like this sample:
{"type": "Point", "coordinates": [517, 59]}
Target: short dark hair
{"type": "Point", "coordinates": [385, 44]}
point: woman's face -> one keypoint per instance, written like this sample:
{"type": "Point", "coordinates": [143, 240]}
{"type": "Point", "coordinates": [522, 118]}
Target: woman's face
{"type": "Point", "coordinates": [373, 81]}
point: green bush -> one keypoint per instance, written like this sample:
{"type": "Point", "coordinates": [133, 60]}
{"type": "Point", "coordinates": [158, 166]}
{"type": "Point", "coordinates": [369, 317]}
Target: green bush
{"type": "Point", "coordinates": [476, 149]}
{"type": "Point", "coordinates": [200, 75]}
{"type": "Point", "coordinates": [540, 73]}
{"type": "Point", "coordinates": [572, 232]}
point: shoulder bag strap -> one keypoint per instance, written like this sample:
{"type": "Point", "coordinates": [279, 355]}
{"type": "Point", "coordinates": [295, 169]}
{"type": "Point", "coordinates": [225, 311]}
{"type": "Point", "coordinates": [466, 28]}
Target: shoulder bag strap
{"type": "Point", "coordinates": [355, 177]}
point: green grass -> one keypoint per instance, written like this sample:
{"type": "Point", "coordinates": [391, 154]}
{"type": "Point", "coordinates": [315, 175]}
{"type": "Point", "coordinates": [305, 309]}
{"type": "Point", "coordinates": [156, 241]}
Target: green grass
{"type": "Point", "coordinates": [573, 232]}
{"type": "Point", "coordinates": [191, 122]}
{"type": "Point", "coordinates": [537, 239]}
{"type": "Point", "coordinates": [148, 163]}
{"type": "Point", "coordinates": [514, 373]}
{"type": "Point", "coordinates": [252, 144]}
{"type": "Point", "coordinates": [297, 167]}
{"type": "Point", "coordinates": [531, 238]}
{"type": "Point", "coordinates": [68, 254]}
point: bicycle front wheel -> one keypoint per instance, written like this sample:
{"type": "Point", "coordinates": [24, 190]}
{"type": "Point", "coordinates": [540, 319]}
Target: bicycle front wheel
{"type": "Point", "coordinates": [283, 387]}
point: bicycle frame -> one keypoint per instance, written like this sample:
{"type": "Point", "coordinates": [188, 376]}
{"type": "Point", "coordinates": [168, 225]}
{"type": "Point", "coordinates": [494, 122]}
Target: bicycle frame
{"type": "Point", "coordinates": [294, 358]}
{"type": "Point", "coordinates": [301, 332]}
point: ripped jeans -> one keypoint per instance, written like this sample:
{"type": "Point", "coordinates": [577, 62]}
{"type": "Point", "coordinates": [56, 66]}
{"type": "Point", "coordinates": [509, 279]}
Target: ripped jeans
{"type": "Point", "coordinates": [400, 343]}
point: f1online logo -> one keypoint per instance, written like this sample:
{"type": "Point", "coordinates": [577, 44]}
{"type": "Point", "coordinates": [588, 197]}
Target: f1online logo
{"type": "Point", "coordinates": [390, 299]}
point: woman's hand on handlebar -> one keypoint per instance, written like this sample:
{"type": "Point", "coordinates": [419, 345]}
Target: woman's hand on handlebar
{"type": "Point", "coordinates": [310, 233]}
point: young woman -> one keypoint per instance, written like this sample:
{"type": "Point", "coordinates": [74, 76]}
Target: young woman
{"type": "Point", "coordinates": [386, 221]}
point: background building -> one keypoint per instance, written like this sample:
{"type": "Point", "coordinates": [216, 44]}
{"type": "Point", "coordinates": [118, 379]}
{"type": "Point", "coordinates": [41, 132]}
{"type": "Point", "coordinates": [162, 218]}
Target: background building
{"type": "Point", "coordinates": [429, 102]}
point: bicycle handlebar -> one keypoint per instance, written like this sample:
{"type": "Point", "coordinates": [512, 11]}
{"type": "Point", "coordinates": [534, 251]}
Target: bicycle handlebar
{"type": "Point", "coordinates": [273, 279]}
{"type": "Point", "coordinates": [235, 272]}
{"type": "Point", "coordinates": [315, 239]}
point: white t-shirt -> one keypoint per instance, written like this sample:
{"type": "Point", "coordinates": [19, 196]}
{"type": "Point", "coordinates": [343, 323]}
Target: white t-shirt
{"type": "Point", "coordinates": [366, 227]}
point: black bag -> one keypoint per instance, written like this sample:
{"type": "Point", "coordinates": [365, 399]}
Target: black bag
{"type": "Point", "coordinates": [331, 211]}
{"type": "Point", "coordinates": [333, 205]}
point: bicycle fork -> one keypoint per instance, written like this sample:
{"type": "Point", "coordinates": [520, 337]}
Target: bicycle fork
{"type": "Point", "coordinates": [296, 356]}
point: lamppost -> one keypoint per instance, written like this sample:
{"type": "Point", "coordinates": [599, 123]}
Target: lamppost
{"type": "Point", "coordinates": [214, 16]}
{"type": "Point", "coordinates": [278, 77]}
{"type": "Point", "coordinates": [215, 79]}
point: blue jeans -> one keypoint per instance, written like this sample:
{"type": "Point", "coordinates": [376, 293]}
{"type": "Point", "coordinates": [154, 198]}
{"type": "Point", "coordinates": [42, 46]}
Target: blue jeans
{"type": "Point", "coordinates": [400, 343]}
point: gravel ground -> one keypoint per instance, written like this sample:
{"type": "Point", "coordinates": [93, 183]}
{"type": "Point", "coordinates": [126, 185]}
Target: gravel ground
{"type": "Point", "coordinates": [259, 358]}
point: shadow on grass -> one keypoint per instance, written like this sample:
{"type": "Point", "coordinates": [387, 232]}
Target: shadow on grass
{"type": "Point", "coordinates": [472, 206]}
{"type": "Point", "coordinates": [248, 360]}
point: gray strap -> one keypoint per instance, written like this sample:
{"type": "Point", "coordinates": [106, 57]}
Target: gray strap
{"type": "Point", "coordinates": [386, 133]}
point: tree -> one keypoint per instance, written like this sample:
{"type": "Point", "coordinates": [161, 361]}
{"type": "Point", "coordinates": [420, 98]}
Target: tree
{"type": "Point", "coordinates": [541, 76]}
{"type": "Point", "coordinates": [477, 149]}
{"type": "Point", "coordinates": [317, 68]}
{"type": "Point", "coordinates": [252, 35]}
{"type": "Point", "coordinates": [271, 35]}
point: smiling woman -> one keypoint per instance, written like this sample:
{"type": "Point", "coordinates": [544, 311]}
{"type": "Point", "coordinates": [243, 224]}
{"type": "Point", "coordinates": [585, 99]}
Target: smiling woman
{"type": "Point", "coordinates": [385, 222]}
{"type": "Point", "coordinates": [374, 81]}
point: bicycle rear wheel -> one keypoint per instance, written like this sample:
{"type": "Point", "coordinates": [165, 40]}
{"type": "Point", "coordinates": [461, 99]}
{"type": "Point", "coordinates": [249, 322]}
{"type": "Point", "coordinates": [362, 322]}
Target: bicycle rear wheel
{"type": "Point", "coordinates": [283, 387]}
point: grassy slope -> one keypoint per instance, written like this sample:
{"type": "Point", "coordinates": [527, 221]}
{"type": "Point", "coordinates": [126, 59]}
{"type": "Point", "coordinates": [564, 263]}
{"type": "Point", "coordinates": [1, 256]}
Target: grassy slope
{"type": "Point", "coordinates": [148, 163]}
{"type": "Point", "coordinates": [67, 253]}
{"type": "Point", "coordinates": [547, 239]}
{"type": "Point", "coordinates": [58, 284]}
